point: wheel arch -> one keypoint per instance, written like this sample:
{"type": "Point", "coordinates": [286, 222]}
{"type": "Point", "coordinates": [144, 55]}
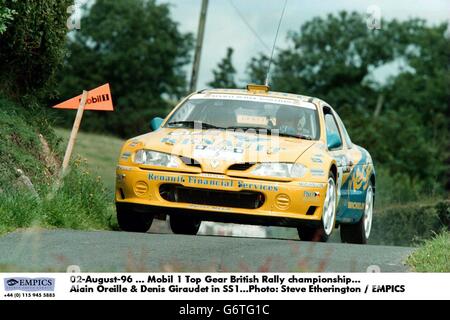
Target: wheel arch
{"type": "Point", "coordinates": [372, 179]}
{"type": "Point", "coordinates": [333, 169]}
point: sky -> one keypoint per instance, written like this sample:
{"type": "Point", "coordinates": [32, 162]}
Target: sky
{"type": "Point", "coordinates": [225, 27]}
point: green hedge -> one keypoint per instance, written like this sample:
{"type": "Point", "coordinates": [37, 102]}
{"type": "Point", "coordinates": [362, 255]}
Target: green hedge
{"type": "Point", "coordinates": [409, 225]}
{"type": "Point", "coordinates": [31, 44]}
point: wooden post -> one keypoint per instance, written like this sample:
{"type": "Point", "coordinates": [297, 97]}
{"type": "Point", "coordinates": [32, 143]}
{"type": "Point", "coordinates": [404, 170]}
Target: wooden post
{"type": "Point", "coordinates": [73, 134]}
{"type": "Point", "coordinates": [199, 45]}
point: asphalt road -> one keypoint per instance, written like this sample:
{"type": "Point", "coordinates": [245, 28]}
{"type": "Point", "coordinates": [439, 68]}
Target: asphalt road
{"type": "Point", "coordinates": [110, 251]}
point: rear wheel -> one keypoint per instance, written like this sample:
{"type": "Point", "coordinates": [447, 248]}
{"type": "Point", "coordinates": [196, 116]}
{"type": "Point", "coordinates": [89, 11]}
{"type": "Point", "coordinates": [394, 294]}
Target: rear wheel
{"type": "Point", "coordinates": [359, 232]}
{"type": "Point", "coordinates": [184, 225]}
{"type": "Point", "coordinates": [132, 221]}
{"type": "Point", "coordinates": [322, 232]}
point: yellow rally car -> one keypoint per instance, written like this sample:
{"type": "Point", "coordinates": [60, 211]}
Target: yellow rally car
{"type": "Point", "coordinates": [248, 156]}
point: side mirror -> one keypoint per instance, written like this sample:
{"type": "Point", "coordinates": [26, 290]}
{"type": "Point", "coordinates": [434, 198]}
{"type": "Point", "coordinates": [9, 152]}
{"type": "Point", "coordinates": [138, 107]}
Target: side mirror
{"type": "Point", "coordinates": [333, 141]}
{"type": "Point", "coordinates": [155, 123]}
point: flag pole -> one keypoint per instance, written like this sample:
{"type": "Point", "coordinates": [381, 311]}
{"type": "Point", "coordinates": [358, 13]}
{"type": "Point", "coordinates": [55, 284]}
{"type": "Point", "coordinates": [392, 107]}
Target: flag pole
{"type": "Point", "coordinates": [73, 134]}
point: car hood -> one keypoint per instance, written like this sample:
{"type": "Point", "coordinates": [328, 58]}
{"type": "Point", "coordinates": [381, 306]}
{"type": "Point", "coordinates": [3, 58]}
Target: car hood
{"type": "Point", "coordinates": [216, 150]}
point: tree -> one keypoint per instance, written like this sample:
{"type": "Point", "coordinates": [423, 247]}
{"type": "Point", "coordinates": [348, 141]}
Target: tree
{"type": "Point", "coordinates": [225, 73]}
{"type": "Point", "coordinates": [333, 58]}
{"type": "Point", "coordinates": [6, 16]}
{"type": "Point", "coordinates": [136, 47]}
{"type": "Point", "coordinates": [31, 45]}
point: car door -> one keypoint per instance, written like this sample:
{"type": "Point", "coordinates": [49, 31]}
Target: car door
{"type": "Point", "coordinates": [353, 163]}
{"type": "Point", "coordinates": [337, 151]}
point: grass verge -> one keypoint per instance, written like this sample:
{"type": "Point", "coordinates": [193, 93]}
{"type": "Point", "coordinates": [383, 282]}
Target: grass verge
{"type": "Point", "coordinates": [79, 202]}
{"type": "Point", "coordinates": [434, 256]}
{"type": "Point", "coordinates": [31, 194]}
{"type": "Point", "coordinates": [100, 151]}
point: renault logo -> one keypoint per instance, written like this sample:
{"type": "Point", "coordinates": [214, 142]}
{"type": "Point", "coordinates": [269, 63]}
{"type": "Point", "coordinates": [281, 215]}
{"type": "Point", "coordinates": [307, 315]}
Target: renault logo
{"type": "Point", "coordinates": [214, 163]}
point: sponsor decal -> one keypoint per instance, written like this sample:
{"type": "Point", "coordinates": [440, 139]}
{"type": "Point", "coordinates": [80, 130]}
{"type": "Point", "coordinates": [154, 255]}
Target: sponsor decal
{"type": "Point", "coordinates": [124, 168]}
{"type": "Point", "coordinates": [259, 187]}
{"type": "Point", "coordinates": [208, 180]}
{"type": "Point", "coordinates": [211, 182]}
{"type": "Point", "coordinates": [218, 153]}
{"type": "Point", "coordinates": [134, 143]}
{"type": "Point", "coordinates": [180, 132]}
{"type": "Point", "coordinates": [317, 172]}
{"type": "Point", "coordinates": [258, 120]}
{"type": "Point", "coordinates": [356, 205]}
{"type": "Point", "coordinates": [311, 194]}
{"type": "Point", "coordinates": [29, 284]}
{"type": "Point", "coordinates": [126, 155]}
{"type": "Point", "coordinates": [212, 175]}
{"type": "Point", "coordinates": [294, 101]}
{"type": "Point", "coordinates": [174, 179]}
{"type": "Point", "coordinates": [169, 141]}
{"type": "Point", "coordinates": [360, 177]}
{"type": "Point", "coordinates": [311, 184]}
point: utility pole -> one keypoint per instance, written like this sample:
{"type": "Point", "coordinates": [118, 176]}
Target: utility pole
{"type": "Point", "coordinates": [199, 45]}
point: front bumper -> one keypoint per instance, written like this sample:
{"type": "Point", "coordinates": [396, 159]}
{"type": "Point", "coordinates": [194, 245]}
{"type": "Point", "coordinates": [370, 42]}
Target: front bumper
{"type": "Point", "coordinates": [282, 201]}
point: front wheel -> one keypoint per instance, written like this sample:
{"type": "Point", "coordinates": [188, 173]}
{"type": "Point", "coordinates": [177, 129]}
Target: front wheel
{"type": "Point", "coordinates": [132, 221]}
{"type": "Point", "coordinates": [359, 233]}
{"type": "Point", "coordinates": [184, 225]}
{"type": "Point", "coordinates": [321, 233]}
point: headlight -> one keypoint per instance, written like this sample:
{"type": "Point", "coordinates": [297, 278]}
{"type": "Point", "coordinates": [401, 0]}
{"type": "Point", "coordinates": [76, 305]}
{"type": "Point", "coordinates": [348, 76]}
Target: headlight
{"type": "Point", "coordinates": [281, 170]}
{"type": "Point", "coordinates": [154, 158]}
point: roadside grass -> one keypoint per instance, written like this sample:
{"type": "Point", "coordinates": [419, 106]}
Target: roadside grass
{"type": "Point", "coordinates": [100, 151]}
{"type": "Point", "coordinates": [31, 192]}
{"type": "Point", "coordinates": [79, 202]}
{"type": "Point", "coordinates": [433, 256]}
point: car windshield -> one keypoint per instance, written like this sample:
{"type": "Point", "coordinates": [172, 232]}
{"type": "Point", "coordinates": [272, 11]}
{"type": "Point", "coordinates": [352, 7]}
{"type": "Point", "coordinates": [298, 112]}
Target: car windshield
{"type": "Point", "coordinates": [265, 114]}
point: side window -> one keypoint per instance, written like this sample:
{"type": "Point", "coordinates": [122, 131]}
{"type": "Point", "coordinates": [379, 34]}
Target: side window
{"type": "Point", "coordinates": [334, 139]}
{"type": "Point", "coordinates": [344, 132]}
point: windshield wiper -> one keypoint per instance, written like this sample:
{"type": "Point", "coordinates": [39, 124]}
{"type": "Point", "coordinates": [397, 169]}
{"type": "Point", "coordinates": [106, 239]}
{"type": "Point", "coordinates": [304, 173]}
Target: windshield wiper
{"type": "Point", "coordinates": [271, 132]}
{"type": "Point", "coordinates": [192, 124]}
{"type": "Point", "coordinates": [298, 136]}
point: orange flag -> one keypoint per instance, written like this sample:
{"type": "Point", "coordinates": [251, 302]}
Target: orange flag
{"type": "Point", "coordinates": [98, 99]}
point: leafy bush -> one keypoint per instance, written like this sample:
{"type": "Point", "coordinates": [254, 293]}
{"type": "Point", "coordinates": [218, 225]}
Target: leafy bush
{"type": "Point", "coordinates": [33, 45]}
{"type": "Point", "coordinates": [20, 146]}
{"type": "Point", "coordinates": [409, 224]}
{"type": "Point", "coordinates": [6, 15]}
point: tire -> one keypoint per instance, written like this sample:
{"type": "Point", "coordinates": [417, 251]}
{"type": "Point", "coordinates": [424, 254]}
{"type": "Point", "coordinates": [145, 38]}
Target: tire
{"type": "Point", "coordinates": [321, 233]}
{"type": "Point", "coordinates": [132, 221]}
{"type": "Point", "coordinates": [359, 232]}
{"type": "Point", "coordinates": [184, 225]}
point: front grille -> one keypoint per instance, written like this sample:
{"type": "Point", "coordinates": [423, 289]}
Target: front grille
{"type": "Point", "coordinates": [241, 166]}
{"type": "Point", "coordinates": [233, 199]}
